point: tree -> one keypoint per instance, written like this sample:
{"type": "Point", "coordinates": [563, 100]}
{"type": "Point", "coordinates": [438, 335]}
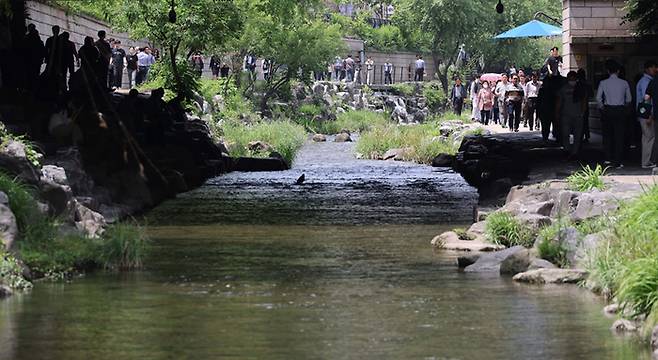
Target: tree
{"type": "Point", "coordinates": [291, 36]}
{"type": "Point", "coordinates": [645, 15]}
{"type": "Point", "coordinates": [197, 25]}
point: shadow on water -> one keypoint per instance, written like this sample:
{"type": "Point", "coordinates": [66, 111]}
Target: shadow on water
{"type": "Point", "coordinates": [340, 286]}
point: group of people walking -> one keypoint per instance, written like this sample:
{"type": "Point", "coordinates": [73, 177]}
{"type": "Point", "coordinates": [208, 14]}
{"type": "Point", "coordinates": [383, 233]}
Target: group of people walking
{"type": "Point", "coordinates": [559, 106]}
{"type": "Point", "coordinates": [354, 70]}
{"type": "Point", "coordinates": [102, 60]}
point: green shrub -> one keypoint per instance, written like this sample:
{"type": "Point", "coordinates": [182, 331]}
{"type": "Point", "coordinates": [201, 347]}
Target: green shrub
{"type": "Point", "coordinates": [11, 273]}
{"type": "Point", "coordinates": [422, 140]}
{"type": "Point", "coordinates": [285, 137]}
{"type": "Point", "coordinates": [405, 89]}
{"type": "Point", "coordinates": [625, 262]}
{"type": "Point", "coordinates": [503, 229]}
{"type": "Point", "coordinates": [435, 96]}
{"type": "Point", "coordinates": [551, 244]}
{"type": "Point", "coordinates": [638, 286]}
{"type": "Point", "coordinates": [123, 246]}
{"type": "Point", "coordinates": [161, 76]}
{"type": "Point", "coordinates": [587, 179]}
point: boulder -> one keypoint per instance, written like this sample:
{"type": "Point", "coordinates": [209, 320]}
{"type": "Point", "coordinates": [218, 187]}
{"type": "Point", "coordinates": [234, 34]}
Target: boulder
{"type": "Point", "coordinates": [443, 160]}
{"type": "Point", "coordinates": [450, 241]}
{"type": "Point", "coordinates": [318, 90]}
{"type": "Point", "coordinates": [8, 226]}
{"type": "Point", "coordinates": [400, 154]}
{"type": "Point", "coordinates": [5, 291]}
{"type": "Point", "coordinates": [595, 204]}
{"type": "Point", "coordinates": [516, 263]}
{"type": "Point", "coordinates": [59, 197]}
{"type": "Point", "coordinates": [343, 137]}
{"type": "Point", "coordinates": [534, 221]}
{"type": "Point", "coordinates": [77, 178]}
{"type": "Point", "coordinates": [612, 309]}
{"type": "Point", "coordinates": [551, 276]}
{"type": "Point", "coordinates": [466, 260]}
{"type": "Point", "coordinates": [477, 230]}
{"type": "Point", "coordinates": [13, 160]}
{"type": "Point", "coordinates": [259, 146]}
{"type": "Point", "coordinates": [491, 262]}
{"type": "Point", "coordinates": [319, 138]}
{"type": "Point", "coordinates": [536, 263]}
{"type": "Point", "coordinates": [654, 339]}
{"type": "Point", "coordinates": [343, 96]}
{"type": "Point", "coordinates": [622, 326]}
{"type": "Point", "coordinates": [91, 223]}
{"type": "Point", "coordinates": [565, 202]}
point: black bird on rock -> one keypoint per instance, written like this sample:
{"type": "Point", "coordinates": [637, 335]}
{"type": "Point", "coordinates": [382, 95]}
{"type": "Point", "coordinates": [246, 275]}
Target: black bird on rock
{"type": "Point", "coordinates": [301, 179]}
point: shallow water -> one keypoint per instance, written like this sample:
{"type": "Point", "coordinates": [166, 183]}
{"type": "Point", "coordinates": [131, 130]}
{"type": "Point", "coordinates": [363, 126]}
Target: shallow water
{"type": "Point", "coordinates": [227, 283]}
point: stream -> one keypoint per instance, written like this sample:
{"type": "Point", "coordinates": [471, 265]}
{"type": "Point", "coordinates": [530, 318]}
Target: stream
{"type": "Point", "coordinates": [252, 266]}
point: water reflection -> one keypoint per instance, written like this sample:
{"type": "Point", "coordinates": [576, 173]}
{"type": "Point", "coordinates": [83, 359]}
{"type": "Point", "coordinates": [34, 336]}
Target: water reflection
{"type": "Point", "coordinates": [294, 292]}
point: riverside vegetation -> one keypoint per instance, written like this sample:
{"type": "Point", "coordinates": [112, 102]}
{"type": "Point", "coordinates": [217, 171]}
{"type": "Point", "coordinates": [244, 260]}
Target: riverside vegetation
{"type": "Point", "coordinates": [618, 248]}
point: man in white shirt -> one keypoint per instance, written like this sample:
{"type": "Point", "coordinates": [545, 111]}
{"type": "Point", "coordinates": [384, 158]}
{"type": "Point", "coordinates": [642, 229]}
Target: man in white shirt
{"type": "Point", "coordinates": [144, 62]}
{"type": "Point", "coordinates": [420, 68]}
{"type": "Point", "coordinates": [531, 94]}
{"type": "Point", "coordinates": [647, 124]}
{"type": "Point", "coordinates": [613, 98]}
{"type": "Point", "coordinates": [370, 70]}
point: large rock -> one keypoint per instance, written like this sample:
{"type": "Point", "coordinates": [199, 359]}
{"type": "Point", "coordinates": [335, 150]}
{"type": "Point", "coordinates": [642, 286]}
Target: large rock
{"type": "Point", "coordinates": [343, 137]}
{"type": "Point", "coordinates": [88, 221]}
{"type": "Point", "coordinates": [622, 326]}
{"type": "Point", "coordinates": [451, 241]}
{"type": "Point", "coordinates": [551, 276]}
{"type": "Point", "coordinates": [491, 262]}
{"type": "Point", "coordinates": [8, 226]}
{"type": "Point", "coordinates": [537, 263]}
{"type": "Point", "coordinates": [534, 221]}
{"type": "Point", "coordinates": [654, 339]}
{"type": "Point", "coordinates": [54, 189]}
{"type": "Point", "coordinates": [319, 138]}
{"type": "Point", "coordinates": [516, 263]}
{"type": "Point", "coordinates": [443, 160]}
{"type": "Point", "coordinates": [595, 204]}
{"type": "Point", "coordinates": [400, 154]}
{"type": "Point", "coordinates": [466, 260]}
{"type": "Point", "coordinates": [77, 178]}
{"type": "Point", "coordinates": [318, 90]}
{"type": "Point", "coordinates": [5, 291]}
{"type": "Point", "coordinates": [477, 230]}
{"type": "Point", "coordinates": [13, 160]}
{"type": "Point", "coordinates": [565, 202]}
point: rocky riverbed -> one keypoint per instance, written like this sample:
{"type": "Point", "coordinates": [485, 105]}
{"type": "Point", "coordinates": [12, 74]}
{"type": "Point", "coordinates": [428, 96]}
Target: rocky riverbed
{"type": "Point", "coordinates": [536, 207]}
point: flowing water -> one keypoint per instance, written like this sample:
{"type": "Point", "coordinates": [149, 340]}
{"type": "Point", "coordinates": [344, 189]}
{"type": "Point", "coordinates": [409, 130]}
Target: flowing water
{"type": "Point", "coordinates": [253, 267]}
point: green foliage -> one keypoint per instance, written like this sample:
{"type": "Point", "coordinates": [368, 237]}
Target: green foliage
{"type": "Point", "coordinates": [551, 243]}
{"type": "Point", "coordinates": [11, 272]}
{"type": "Point", "coordinates": [624, 264]}
{"type": "Point", "coordinates": [33, 156]}
{"type": "Point", "coordinates": [405, 89]}
{"type": "Point", "coordinates": [162, 76]}
{"type": "Point", "coordinates": [285, 137]}
{"type": "Point", "coordinates": [594, 225]}
{"type": "Point", "coordinates": [463, 234]}
{"type": "Point", "coordinates": [638, 286]}
{"type": "Point", "coordinates": [504, 229]}
{"type": "Point", "coordinates": [644, 15]}
{"type": "Point", "coordinates": [587, 179]}
{"type": "Point", "coordinates": [435, 96]}
{"type": "Point", "coordinates": [123, 246]}
{"type": "Point", "coordinates": [352, 121]}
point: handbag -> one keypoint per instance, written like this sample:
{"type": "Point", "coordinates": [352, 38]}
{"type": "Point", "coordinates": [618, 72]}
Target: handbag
{"type": "Point", "coordinates": [644, 110]}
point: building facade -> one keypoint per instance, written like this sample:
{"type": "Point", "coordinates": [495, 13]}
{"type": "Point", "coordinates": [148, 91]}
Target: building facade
{"type": "Point", "coordinates": [594, 31]}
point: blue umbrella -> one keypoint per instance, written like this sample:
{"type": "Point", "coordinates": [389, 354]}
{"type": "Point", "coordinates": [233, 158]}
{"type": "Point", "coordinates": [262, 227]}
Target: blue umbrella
{"type": "Point", "coordinates": [534, 28]}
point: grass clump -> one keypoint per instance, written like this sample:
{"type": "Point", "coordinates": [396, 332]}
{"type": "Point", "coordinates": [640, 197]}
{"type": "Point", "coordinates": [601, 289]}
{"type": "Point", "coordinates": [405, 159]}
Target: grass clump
{"type": "Point", "coordinates": [463, 234]}
{"type": "Point", "coordinates": [551, 244]}
{"type": "Point", "coordinates": [587, 179]}
{"type": "Point", "coordinates": [625, 264]}
{"type": "Point", "coordinates": [423, 142]}
{"type": "Point", "coordinates": [285, 137]}
{"type": "Point", "coordinates": [123, 246]}
{"type": "Point", "coordinates": [503, 229]}
{"type": "Point", "coordinates": [352, 121]}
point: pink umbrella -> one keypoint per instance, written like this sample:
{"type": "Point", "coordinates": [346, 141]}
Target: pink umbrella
{"type": "Point", "coordinates": [490, 77]}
